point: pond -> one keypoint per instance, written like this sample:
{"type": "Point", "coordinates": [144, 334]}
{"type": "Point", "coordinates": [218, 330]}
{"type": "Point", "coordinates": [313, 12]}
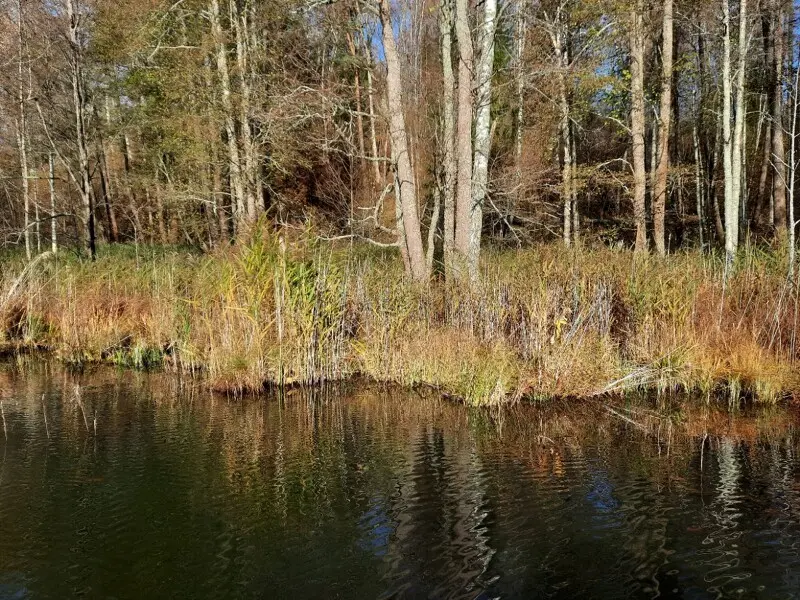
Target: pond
{"type": "Point", "coordinates": [116, 484]}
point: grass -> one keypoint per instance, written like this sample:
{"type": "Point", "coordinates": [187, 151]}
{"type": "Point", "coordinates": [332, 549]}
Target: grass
{"type": "Point", "coordinates": [540, 323]}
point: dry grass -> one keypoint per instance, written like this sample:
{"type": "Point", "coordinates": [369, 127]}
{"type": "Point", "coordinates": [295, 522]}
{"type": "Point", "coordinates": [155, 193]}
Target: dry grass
{"type": "Point", "coordinates": [540, 323]}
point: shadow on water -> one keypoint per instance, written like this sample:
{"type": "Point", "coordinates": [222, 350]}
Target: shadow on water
{"type": "Point", "coordinates": [142, 485]}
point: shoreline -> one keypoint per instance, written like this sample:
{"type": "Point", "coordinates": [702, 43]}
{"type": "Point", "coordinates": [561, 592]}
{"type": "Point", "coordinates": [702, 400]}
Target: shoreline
{"type": "Point", "coordinates": [539, 324]}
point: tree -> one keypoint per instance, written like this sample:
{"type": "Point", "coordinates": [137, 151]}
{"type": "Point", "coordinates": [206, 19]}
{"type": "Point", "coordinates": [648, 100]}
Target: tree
{"type": "Point", "coordinates": [448, 132]}
{"type": "Point", "coordinates": [75, 17]}
{"type": "Point", "coordinates": [778, 151]}
{"type": "Point", "coordinates": [637, 45]}
{"type": "Point", "coordinates": [665, 114]}
{"type": "Point", "coordinates": [464, 130]}
{"type": "Point", "coordinates": [483, 123]}
{"type": "Point", "coordinates": [405, 181]}
{"type": "Point", "coordinates": [732, 139]}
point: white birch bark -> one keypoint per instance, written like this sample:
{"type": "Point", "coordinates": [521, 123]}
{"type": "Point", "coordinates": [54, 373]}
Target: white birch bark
{"type": "Point", "coordinates": [448, 133]}
{"type": "Point", "coordinates": [79, 105]}
{"type": "Point", "coordinates": [483, 125]}
{"type": "Point", "coordinates": [662, 170]}
{"type": "Point", "coordinates": [234, 160]}
{"type": "Point", "coordinates": [464, 129]}
{"type": "Point", "coordinates": [638, 124]}
{"type": "Point", "coordinates": [737, 150]}
{"type": "Point", "coordinates": [51, 163]}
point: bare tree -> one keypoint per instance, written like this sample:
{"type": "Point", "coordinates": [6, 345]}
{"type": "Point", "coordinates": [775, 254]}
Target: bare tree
{"type": "Point", "coordinates": [778, 151]}
{"type": "Point", "coordinates": [732, 139]}
{"type": "Point", "coordinates": [52, 185]}
{"type": "Point", "coordinates": [234, 159]}
{"type": "Point", "coordinates": [79, 104]}
{"type": "Point", "coordinates": [448, 132]}
{"type": "Point", "coordinates": [637, 43]}
{"type": "Point", "coordinates": [22, 130]}
{"type": "Point", "coordinates": [483, 124]}
{"type": "Point", "coordinates": [464, 129]}
{"type": "Point", "coordinates": [558, 31]}
{"type": "Point", "coordinates": [665, 114]}
{"type": "Point", "coordinates": [405, 187]}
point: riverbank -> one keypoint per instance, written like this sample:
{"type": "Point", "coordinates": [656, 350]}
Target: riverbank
{"type": "Point", "coordinates": [540, 323]}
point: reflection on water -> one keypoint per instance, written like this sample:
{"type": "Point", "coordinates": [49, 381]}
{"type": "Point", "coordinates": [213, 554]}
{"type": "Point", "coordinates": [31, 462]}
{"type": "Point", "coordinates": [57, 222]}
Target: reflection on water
{"type": "Point", "coordinates": [360, 492]}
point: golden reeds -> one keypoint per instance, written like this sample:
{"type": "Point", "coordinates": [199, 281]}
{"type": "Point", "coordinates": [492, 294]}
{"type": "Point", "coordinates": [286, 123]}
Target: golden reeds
{"type": "Point", "coordinates": [539, 323]}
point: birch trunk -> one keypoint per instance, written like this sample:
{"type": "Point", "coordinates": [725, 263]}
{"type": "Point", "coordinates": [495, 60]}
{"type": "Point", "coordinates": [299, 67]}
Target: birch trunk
{"type": "Point", "coordinates": [373, 137]}
{"type": "Point", "coordinates": [698, 180]}
{"type": "Point", "coordinates": [22, 133]}
{"type": "Point", "coordinates": [241, 23]}
{"type": "Point", "coordinates": [464, 128]}
{"type": "Point", "coordinates": [79, 105]}
{"type": "Point", "coordinates": [520, 117]}
{"type": "Point", "coordinates": [558, 38]}
{"type": "Point", "coordinates": [110, 184]}
{"type": "Point", "coordinates": [778, 152]}
{"type": "Point", "coordinates": [737, 150]}
{"type": "Point", "coordinates": [51, 163]}
{"type": "Point", "coordinates": [359, 109]}
{"type": "Point", "coordinates": [448, 133]}
{"type": "Point", "coordinates": [483, 140]}
{"type": "Point", "coordinates": [637, 42]}
{"type": "Point", "coordinates": [234, 160]}
{"type": "Point", "coordinates": [731, 203]}
{"type": "Point", "coordinates": [405, 188]}
{"type": "Point", "coordinates": [574, 200]}
{"type": "Point", "coordinates": [662, 170]}
{"type": "Point", "coordinates": [792, 170]}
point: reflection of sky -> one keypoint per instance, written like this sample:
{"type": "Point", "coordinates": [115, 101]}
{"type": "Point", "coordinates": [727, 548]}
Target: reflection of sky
{"type": "Point", "coordinates": [601, 494]}
{"type": "Point", "coordinates": [601, 498]}
{"type": "Point", "coordinates": [12, 586]}
{"type": "Point", "coordinates": [376, 528]}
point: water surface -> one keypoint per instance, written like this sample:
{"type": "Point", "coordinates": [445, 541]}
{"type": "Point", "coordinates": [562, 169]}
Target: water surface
{"type": "Point", "coordinates": [142, 486]}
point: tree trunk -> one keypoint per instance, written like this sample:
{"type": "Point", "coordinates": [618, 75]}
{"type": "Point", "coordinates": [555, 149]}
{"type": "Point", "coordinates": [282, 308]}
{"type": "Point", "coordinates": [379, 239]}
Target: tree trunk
{"type": "Point", "coordinates": [373, 137]}
{"type": "Point", "coordinates": [737, 150]}
{"type": "Point", "coordinates": [448, 133]}
{"type": "Point", "coordinates": [520, 116]}
{"type": "Point", "coordinates": [22, 133]}
{"type": "Point", "coordinates": [106, 185]}
{"type": "Point", "coordinates": [637, 42]}
{"type": "Point", "coordinates": [662, 171]}
{"type": "Point", "coordinates": [763, 210]}
{"type": "Point", "coordinates": [79, 104]}
{"type": "Point", "coordinates": [558, 36]}
{"type": "Point", "coordinates": [464, 129]}
{"type": "Point", "coordinates": [764, 192]}
{"type": "Point", "coordinates": [359, 109]}
{"type": "Point", "coordinates": [234, 160]}
{"type": "Point", "coordinates": [778, 153]}
{"type": "Point", "coordinates": [250, 179]}
{"type": "Point", "coordinates": [792, 169]}
{"type": "Point", "coordinates": [405, 188]}
{"type": "Point", "coordinates": [51, 163]}
{"type": "Point", "coordinates": [731, 203]}
{"type": "Point", "coordinates": [483, 140]}
{"type": "Point", "coordinates": [574, 200]}
{"type": "Point", "coordinates": [698, 178]}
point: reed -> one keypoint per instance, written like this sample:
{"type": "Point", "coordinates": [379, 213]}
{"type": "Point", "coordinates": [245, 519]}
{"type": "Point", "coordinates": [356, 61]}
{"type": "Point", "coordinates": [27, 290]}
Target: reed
{"type": "Point", "coordinates": [540, 323]}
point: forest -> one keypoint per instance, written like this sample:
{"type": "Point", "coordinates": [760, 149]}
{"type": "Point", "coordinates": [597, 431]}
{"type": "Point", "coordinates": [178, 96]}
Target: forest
{"type": "Point", "coordinates": [498, 199]}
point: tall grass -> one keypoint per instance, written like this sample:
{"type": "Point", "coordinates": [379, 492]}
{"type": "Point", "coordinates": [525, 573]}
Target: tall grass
{"type": "Point", "coordinates": [539, 323]}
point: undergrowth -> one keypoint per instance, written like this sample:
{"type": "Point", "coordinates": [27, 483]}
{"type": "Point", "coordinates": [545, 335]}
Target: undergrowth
{"type": "Point", "coordinates": [539, 323]}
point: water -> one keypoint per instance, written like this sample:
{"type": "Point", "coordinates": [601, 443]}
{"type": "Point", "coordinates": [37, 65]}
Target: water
{"type": "Point", "coordinates": [360, 492]}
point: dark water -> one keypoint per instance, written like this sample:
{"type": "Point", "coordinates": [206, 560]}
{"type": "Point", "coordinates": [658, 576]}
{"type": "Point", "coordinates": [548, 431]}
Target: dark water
{"type": "Point", "coordinates": [360, 492]}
